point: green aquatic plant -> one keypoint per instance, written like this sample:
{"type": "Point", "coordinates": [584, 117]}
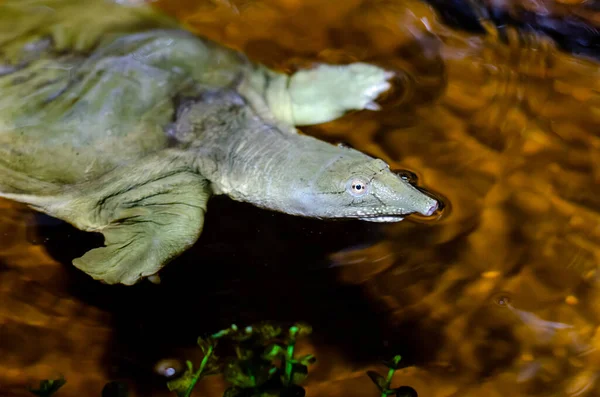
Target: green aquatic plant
{"type": "Point", "coordinates": [384, 383]}
{"type": "Point", "coordinates": [256, 361]}
{"type": "Point", "coordinates": [48, 387]}
{"type": "Point", "coordinates": [184, 385]}
{"type": "Point", "coordinates": [261, 363]}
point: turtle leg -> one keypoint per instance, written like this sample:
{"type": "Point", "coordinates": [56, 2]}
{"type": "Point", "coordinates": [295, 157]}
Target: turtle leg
{"type": "Point", "coordinates": [318, 95]}
{"type": "Point", "coordinates": [148, 213]}
{"type": "Point", "coordinates": [146, 227]}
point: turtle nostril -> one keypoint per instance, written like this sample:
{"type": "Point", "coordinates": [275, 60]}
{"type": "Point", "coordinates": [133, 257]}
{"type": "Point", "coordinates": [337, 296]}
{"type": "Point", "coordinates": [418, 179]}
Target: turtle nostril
{"type": "Point", "coordinates": [431, 209]}
{"type": "Point", "coordinates": [407, 176]}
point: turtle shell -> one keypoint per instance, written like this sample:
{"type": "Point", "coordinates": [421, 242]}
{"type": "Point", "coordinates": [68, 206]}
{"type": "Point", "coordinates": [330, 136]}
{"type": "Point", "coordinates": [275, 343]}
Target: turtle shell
{"type": "Point", "coordinates": [89, 86]}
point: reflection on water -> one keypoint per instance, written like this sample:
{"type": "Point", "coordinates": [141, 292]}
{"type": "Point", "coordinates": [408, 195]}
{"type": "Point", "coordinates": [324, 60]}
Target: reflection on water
{"type": "Point", "coordinates": [500, 296]}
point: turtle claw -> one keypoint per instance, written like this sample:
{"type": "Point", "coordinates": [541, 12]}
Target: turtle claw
{"type": "Point", "coordinates": [373, 106]}
{"type": "Point", "coordinates": [365, 84]}
{"type": "Point", "coordinates": [154, 278]}
{"type": "Point", "coordinates": [327, 92]}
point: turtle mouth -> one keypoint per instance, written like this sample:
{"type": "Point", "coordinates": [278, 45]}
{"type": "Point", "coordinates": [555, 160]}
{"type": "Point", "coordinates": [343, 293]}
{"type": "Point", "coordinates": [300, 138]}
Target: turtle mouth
{"type": "Point", "coordinates": [383, 219]}
{"type": "Point", "coordinates": [399, 216]}
{"type": "Point", "coordinates": [388, 218]}
{"type": "Point", "coordinates": [383, 216]}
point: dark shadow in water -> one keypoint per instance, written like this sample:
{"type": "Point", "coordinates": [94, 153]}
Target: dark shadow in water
{"type": "Point", "coordinates": [249, 265]}
{"type": "Point", "coordinates": [572, 34]}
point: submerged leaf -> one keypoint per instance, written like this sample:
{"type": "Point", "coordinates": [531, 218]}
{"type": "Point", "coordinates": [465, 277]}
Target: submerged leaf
{"type": "Point", "coordinates": [205, 344]}
{"type": "Point", "coordinates": [378, 380]}
{"type": "Point", "coordinates": [266, 331]}
{"type": "Point", "coordinates": [48, 387]}
{"type": "Point", "coordinates": [303, 329]}
{"type": "Point", "coordinates": [233, 392]}
{"type": "Point", "coordinates": [248, 373]}
{"type": "Point", "coordinates": [299, 373]}
{"type": "Point", "coordinates": [307, 360]}
{"type": "Point", "coordinates": [273, 351]}
{"type": "Point", "coordinates": [182, 384]}
{"type": "Point", "coordinates": [223, 333]}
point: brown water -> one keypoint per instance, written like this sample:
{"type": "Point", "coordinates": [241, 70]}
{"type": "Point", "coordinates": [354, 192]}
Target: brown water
{"type": "Point", "coordinates": [500, 297]}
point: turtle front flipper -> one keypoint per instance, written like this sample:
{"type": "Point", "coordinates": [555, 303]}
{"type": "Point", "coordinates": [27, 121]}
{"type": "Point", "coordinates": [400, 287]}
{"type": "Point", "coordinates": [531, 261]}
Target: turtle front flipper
{"type": "Point", "coordinates": [149, 212]}
{"type": "Point", "coordinates": [146, 227]}
{"type": "Point", "coordinates": [318, 95]}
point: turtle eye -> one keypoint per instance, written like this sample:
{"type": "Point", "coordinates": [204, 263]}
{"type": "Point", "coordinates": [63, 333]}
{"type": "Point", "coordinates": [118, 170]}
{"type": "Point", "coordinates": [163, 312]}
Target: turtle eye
{"type": "Point", "coordinates": [357, 187]}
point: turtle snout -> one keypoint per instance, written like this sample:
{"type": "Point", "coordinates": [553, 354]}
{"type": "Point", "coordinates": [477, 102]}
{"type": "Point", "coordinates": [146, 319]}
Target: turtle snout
{"type": "Point", "coordinates": [432, 208]}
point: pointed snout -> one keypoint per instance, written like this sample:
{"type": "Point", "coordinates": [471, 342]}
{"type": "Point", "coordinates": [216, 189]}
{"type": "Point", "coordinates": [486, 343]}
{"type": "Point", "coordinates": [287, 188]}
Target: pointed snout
{"type": "Point", "coordinates": [432, 208]}
{"type": "Point", "coordinates": [398, 193]}
{"type": "Point", "coordinates": [418, 201]}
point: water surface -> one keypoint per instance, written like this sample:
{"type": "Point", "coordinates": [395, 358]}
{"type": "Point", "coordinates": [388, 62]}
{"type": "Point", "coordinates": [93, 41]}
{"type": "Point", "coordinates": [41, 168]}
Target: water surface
{"type": "Point", "coordinates": [499, 297]}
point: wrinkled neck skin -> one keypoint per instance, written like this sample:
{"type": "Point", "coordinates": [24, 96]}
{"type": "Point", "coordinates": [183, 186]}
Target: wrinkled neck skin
{"type": "Point", "coordinates": [274, 170]}
{"type": "Point", "coordinates": [251, 161]}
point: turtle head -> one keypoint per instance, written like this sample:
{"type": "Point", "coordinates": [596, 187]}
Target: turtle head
{"type": "Point", "coordinates": [295, 174]}
{"type": "Point", "coordinates": [356, 186]}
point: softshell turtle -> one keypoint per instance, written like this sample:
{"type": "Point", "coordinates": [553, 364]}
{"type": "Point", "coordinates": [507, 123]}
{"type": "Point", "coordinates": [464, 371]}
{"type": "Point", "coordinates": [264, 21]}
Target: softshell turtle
{"type": "Point", "coordinates": [116, 120]}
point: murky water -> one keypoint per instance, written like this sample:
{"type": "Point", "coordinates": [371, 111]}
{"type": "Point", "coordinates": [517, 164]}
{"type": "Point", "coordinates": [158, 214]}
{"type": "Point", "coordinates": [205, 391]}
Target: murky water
{"type": "Point", "coordinates": [499, 297]}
